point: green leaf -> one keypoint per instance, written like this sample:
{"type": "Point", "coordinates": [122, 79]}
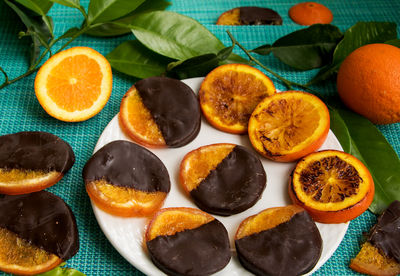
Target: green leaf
{"type": "Point", "coordinates": [307, 48]}
{"type": "Point", "coordinates": [394, 42]}
{"type": "Point", "coordinates": [62, 271]}
{"type": "Point", "coordinates": [174, 35]}
{"type": "Point", "coordinates": [360, 34]}
{"type": "Point", "coordinates": [133, 59]}
{"type": "Point", "coordinates": [359, 137]}
{"type": "Point", "coordinates": [40, 7]}
{"type": "Point", "coordinates": [69, 3]}
{"type": "Point", "coordinates": [70, 33]}
{"type": "Point", "coordinates": [113, 29]}
{"type": "Point", "coordinates": [101, 11]}
{"type": "Point", "coordinates": [37, 29]}
{"type": "Point", "coordinates": [198, 66]}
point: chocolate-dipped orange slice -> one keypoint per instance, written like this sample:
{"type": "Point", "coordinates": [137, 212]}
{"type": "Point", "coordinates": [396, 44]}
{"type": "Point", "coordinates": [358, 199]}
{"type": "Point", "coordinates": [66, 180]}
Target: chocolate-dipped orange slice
{"type": "Point", "coordinates": [250, 16]}
{"type": "Point", "coordinates": [32, 161]}
{"type": "Point", "coordinates": [37, 232]}
{"type": "Point", "coordinates": [279, 241]}
{"type": "Point", "coordinates": [187, 241]}
{"type": "Point", "coordinates": [125, 179]}
{"type": "Point", "coordinates": [160, 112]}
{"type": "Point", "coordinates": [380, 253]}
{"type": "Point", "coordinates": [223, 179]}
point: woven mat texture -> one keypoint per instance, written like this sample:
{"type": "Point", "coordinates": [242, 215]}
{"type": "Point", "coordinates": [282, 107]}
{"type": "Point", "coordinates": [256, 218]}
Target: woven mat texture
{"type": "Point", "coordinates": [20, 111]}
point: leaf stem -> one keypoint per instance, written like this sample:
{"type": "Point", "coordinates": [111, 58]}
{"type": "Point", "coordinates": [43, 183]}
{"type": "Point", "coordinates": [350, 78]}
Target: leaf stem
{"type": "Point", "coordinates": [289, 84]}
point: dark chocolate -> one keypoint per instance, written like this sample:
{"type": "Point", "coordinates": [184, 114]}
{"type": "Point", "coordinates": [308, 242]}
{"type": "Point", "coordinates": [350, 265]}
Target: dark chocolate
{"type": "Point", "coordinates": [35, 150]}
{"type": "Point", "coordinates": [385, 234]}
{"type": "Point", "coordinates": [174, 108]}
{"type": "Point", "coordinates": [200, 251]}
{"type": "Point", "coordinates": [125, 164]}
{"type": "Point", "coordinates": [235, 185]}
{"type": "Point", "coordinates": [291, 248]}
{"type": "Point", "coordinates": [259, 16]}
{"type": "Point", "coordinates": [42, 219]}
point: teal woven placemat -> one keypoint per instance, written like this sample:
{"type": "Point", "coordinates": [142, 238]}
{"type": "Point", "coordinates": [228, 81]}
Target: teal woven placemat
{"type": "Point", "coordinates": [20, 110]}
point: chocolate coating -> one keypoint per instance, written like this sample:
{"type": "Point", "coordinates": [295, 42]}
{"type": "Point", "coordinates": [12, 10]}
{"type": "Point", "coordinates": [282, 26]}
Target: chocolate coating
{"type": "Point", "coordinates": [125, 164]}
{"type": "Point", "coordinates": [173, 106]}
{"type": "Point", "coordinates": [200, 251]}
{"type": "Point", "coordinates": [235, 185]}
{"type": "Point", "coordinates": [385, 235]}
{"type": "Point", "coordinates": [43, 219]}
{"type": "Point", "coordinates": [291, 248]}
{"type": "Point", "coordinates": [259, 16]}
{"type": "Point", "coordinates": [35, 150]}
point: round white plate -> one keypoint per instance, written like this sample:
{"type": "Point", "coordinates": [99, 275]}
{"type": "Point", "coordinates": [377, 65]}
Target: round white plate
{"type": "Point", "coordinates": [126, 234]}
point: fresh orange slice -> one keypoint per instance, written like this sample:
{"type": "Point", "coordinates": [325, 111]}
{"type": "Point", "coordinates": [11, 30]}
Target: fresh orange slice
{"type": "Point", "coordinates": [333, 186]}
{"type": "Point", "coordinates": [20, 257]}
{"type": "Point", "coordinates": [308, 13]}
{"type": "Point", "coordinates": [74, 85]}
{"type": "Point", "coordinates": [229, 94]}
{"type": "Point", "coordinates": [289, 125]}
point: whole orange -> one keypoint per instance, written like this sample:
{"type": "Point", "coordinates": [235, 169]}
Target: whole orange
{"type": "Point", "coordinates": [368, 82]}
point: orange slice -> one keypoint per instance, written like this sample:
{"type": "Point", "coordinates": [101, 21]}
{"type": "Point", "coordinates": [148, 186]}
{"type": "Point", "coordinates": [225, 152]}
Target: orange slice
{"type": "Point", "coordinates": [229, 94]}
{"type": "Point", "coordinates": [289, 125]}
{"type": "Point", "coordinates": [123, 201]}
{"type": "Point", "coordinates": [74, 85]}
{"type": "Point", "coordinates": [20, 257]}
{"type": "Point", "coordinates": [333, 186]}
{"type": "Point", "coordinates": [308, 13]}
{"type": "Point", "coordinates": [136, 120]}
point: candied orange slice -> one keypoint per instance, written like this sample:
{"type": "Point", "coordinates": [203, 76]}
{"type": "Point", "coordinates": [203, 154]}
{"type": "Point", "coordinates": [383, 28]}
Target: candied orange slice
{"type": "Point", "coordinates": [74, 85]}
{"type": "Point", "coordinates": [136, 120]}
{"type": "Point", "coordinates": [333, 186]}
{"type": "Point", "coordinates": [15, 181]}
{"type": "Point", "coordinates": [370, 261]}
{"type": "Point", "coordinates": [124, 201]}
{"type": "Point", "coordinates": [20, 257]}
{"type": "Point", "coordinates": [267, 219]}
{"type": "Point", "coordinates": [169, 221]}
{"type": "Point", "coordinates": [229, 94]}
{"type": "Point", "coordinates": [197, 164]}
{"type": "Point", "coordinates": [308, 13]}
{"type": "Point", "coordinates": [289, 125]}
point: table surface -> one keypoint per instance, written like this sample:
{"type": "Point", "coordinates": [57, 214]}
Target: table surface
{"type": "Point", "coordinates": [21, 111]}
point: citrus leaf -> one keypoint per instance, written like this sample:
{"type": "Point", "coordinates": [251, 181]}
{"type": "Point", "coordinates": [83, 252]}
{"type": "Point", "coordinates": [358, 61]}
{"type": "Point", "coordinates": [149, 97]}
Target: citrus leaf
{"type": "Point", "coordinates": [360, 34]}
{"type": "Point", "coordinates": [112, 29]}
{"type": "Point", "coordinates": [198, 66]}
{"type": "Point", "coordinates": [69, 3]}
{"type": "Point", "coordinates": [40, 7]}
{"type": "Point", "coordinates": [133, 59]}
{"type": "Point", "coordinates": [174, 35]}
{"type": "Point", "coordinates": [394, 42]}
{"type": "Point", "coordinates": [307, 48]}
{"type": "Point", "coordinates": [101, 11]}
{"type": "Point", "coordinates": [37, 29]}
{"type": "Point", "coordinates": [359, 137]}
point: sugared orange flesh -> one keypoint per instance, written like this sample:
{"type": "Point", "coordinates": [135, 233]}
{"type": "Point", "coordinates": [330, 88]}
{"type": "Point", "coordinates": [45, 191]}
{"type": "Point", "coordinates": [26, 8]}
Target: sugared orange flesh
{"type": "Point", "coordinates": [308, 13]}
{"type": "Point", "coordinates": [137, 122]}
{"type": "Point", "coordinates": [289, 125]}
{"type": "Point", "coordinates": [18, 256]}
{"type": "Point", "coordinates": [197, 164]}
{"type": "Point", "coordinates": [332, 186]}
{"type": "Point", "coordinates": [267, 219]}
{"type": "Point", "coordinates": [229, 94]}
{"type": "Point", "coordinates": [123, 201]}
{"type": "Point", "coordinates": [231, 17]}
{"type": "Point", "coordinates": [17, 181]}
{"type": "Point", "coordinates": [370, 261]}
{"type": "Point", "coordinates": [169, 221]}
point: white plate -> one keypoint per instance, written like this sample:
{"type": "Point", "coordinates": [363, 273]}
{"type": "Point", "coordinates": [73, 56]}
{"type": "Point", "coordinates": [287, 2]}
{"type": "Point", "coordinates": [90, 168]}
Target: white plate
{"type": "Point", "coordinates": [126, 234]}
